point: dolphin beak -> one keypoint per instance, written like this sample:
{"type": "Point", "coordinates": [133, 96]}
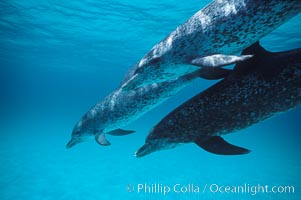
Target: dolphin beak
{"type": "Point", "coordinates": [143, 151]}
{"type": "Point", "coordinates": [76, 138]}
{"type": "Point", "coordinates": [72, 143]}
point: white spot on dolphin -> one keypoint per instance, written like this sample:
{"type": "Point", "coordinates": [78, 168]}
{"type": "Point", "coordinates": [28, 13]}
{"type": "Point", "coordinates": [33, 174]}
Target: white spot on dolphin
{"type": "Point", "coordinates": [80, 123]}
{"type": "Point", "coordinates": [204, 19]}
{"type": "Point", "coordinates": [159, 48]}
{"type": "Point", "coordinates": [114, 98]}
{"type": "Point", "coordinates": [169, 41]}
{"type": "Point", "coordinates": [92, 113]}
{"type": "Point", "coordinates": [142, 62]}
{"type": "Point", "coordinates": [229, 9]}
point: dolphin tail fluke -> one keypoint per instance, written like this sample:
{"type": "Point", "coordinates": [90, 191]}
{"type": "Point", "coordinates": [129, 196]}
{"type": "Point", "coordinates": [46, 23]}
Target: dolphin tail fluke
{"type": "Point", "coordinates": [218, 145]}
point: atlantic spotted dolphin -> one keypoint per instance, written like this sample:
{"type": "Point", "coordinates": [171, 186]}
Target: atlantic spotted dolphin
{"type": "Point", "coordinates": [211, 38]}
{"type": "Point", "coordinates": [267, 84]}
{"type": "Point", "coordinates": [120, 108]}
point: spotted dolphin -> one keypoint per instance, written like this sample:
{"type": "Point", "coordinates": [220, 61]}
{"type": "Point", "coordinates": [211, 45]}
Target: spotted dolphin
{"type": "Point", "coordinates": [120, 108]}
{"type": "Point", "coordinates": [211, 38]}
{"type": "Point", "coordinates": [257, 89]}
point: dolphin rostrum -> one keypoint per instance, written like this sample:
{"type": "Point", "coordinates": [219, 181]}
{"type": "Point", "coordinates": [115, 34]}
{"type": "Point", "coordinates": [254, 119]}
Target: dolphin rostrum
{"type": "Point", "coordinates": [257, 89]}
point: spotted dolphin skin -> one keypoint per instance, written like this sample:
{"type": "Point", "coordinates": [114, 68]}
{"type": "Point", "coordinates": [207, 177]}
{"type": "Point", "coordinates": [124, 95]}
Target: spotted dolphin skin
{"type": "Point", "coordinates": [120, 108]}
{"type": "Point", "coordinates": [211, 37]}
{"type": "Point", "coordinates": [255, 90]}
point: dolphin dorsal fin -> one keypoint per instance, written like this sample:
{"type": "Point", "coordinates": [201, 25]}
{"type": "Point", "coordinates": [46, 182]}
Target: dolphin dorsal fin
{"type": "Point", "coordinates": [255, 49]}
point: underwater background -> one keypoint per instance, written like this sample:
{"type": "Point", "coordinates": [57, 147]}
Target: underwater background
{"type": "Point", "coordinates": [58, 58]}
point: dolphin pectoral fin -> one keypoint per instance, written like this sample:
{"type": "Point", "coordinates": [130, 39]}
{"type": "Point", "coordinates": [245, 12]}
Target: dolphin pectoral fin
{"type": "Point", "coordinates": [213, 73]}
{"type": "Point", "coordinates": [218, 145]}
{"type": "Point", "coordinates": [219, 60]}
{"type": "Point", "coordinates": [101, 139]}
{"type": "Point", "coordinates": [120, 132]}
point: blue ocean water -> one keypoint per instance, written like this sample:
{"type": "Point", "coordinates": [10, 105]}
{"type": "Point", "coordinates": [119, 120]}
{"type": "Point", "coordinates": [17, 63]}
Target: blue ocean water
{"type": "Point", "coordinates": [58, 58]}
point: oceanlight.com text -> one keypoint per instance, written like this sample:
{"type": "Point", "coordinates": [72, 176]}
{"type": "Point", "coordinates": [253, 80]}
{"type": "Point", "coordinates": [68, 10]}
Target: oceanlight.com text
{"type": "Point", "coordinates": [192, 188]}
{"type": "Point", "coordinates": [251, 189]}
